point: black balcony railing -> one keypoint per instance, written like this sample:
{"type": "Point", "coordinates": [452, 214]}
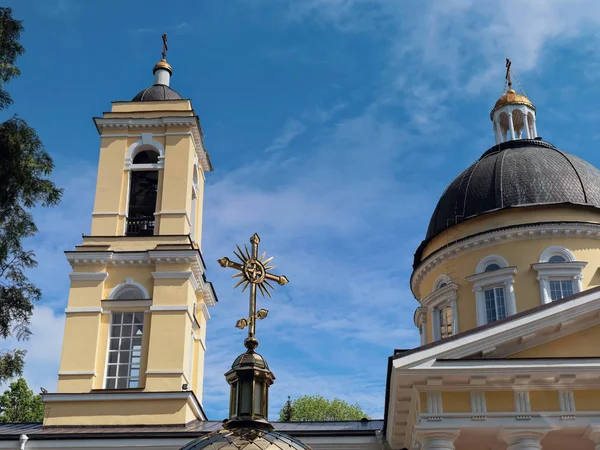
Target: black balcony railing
{"type": "Point", "coordinates": [140, 226]}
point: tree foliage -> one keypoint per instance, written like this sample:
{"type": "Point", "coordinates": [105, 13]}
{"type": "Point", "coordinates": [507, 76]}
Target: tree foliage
{"type": "Point", "coordinates": [24, 184]}
{"type": "Point", "coordinates": [319, 409]}
{"type": "Point", "coordinates": [18, 404]}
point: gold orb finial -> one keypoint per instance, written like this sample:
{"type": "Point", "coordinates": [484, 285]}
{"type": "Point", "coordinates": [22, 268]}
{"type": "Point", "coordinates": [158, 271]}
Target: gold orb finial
{"type": "Point", "coordinates": [163, 64]}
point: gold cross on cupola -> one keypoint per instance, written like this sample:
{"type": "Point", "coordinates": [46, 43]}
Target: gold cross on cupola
{"type": "Point", "coordinates": [254, 272]}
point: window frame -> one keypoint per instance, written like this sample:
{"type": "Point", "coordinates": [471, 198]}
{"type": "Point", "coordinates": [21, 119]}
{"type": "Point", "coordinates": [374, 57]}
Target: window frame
{"type": "Point", "coordinates": [482, 281]}
{"type": "Point", "coordinates": [118, 351]}
{"type": "Point", "coordinates": [494, 290]}
{"type": "Point", "coordinates": [569, 270]}
{"type": "Point", "coordinates": [441, 297]}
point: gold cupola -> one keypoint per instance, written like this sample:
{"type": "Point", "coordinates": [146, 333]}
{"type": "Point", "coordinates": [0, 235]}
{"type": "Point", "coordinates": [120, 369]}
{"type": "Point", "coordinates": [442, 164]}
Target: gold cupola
{"type": "Point", "coordinates": [513, 115]}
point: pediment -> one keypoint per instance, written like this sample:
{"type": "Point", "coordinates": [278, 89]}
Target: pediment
{"type": "Point", "coordinates": [545, 328]}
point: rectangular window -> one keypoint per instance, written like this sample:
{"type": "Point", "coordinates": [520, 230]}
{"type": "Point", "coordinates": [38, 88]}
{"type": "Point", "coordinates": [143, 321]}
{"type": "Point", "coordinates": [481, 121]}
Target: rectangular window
{"type": "Point", "coordinates": [446, 322]}
{"type": "Point", "coordinates": [560, 289]}
{"type": "Point", "coordinates": [495, 305]}
{"type": "Point", "coordinates": [124, 350]}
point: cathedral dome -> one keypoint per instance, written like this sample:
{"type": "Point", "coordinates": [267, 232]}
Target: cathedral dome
{"type": "Point", "coordinates": [250, 359]}
{"type": "Point", "coordinates": [245, 438]}
{"type": "Point", "coordinates": [156, 92]}
{"type": "Point", "coordinates": [516, 173]}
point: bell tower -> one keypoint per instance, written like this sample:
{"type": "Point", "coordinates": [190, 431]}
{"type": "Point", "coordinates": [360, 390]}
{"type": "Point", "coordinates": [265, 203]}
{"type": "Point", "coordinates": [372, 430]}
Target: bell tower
{"type": "Point", "coordinates": [134, 338]}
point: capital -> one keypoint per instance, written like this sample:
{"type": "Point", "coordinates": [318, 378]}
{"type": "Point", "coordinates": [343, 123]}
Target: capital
{"type": "Point", "coordinates": [438, 439]}
{"type": "Point", "coordinates": [523, 439]}
{"type": "Point", "coordinates": [593, 434]}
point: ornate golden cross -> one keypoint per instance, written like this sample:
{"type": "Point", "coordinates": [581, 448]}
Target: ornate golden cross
{"type": "Point", "coordinates": [165, 48]}
{"type": "Point", "coordinates": [254, 272]}
{"type": "Point", "coordinates": [508, 80]}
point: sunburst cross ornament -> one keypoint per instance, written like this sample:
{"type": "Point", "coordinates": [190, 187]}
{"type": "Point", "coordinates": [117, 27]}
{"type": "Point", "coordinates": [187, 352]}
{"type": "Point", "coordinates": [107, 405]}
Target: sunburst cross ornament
{"type": "Point", "coordinates": [254, 272]}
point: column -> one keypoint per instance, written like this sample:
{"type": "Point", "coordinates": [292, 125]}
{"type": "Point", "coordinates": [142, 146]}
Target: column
{"type": "Point", "coordinates": [526, 125]}
{"type": "Point", "coordinates": [497, 131]}
{"type": "Point", "coordinates": [437, 440]}
{"type": "Point", "coordinates": [454, 315]}
{"type": "Point", "coordinates": [511, 126]}
{"type": "Point", "coordinates": [524, 439]}
{"type": "Point", "coordinates": [511, 303]}
{"type": "Point", "coordinates": [534, 127]}
{"type": "Point", "coordinates": [577, 283]}
{"type": "Point", "coordinates": [593, 434]}
{"type": "Point", "coordinates": [480, 300]}
{"type": "Point", "coordinates": [544, 289]}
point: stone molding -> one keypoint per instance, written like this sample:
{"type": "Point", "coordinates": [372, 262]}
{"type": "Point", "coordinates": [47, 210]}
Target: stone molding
{"type": "Point", "coordinates": [496, 237]}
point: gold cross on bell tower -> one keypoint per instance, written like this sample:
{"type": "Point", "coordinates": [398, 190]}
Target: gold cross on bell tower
{"type": "Point", "coordinates": [255, 273]}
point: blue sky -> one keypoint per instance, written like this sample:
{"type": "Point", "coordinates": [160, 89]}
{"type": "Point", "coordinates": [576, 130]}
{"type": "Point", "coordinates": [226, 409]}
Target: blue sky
{"type": "Point", "coordinates": [333, 126]}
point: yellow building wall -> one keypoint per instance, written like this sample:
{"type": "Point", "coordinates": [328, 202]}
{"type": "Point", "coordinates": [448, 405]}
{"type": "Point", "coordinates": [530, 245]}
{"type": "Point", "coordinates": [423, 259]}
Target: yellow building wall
{"type": "Point", "coordinates": [510, 217]}
{"type": "Point", "coordinates": [166, 352]}
{"type": "Point", "coordinates": [581, 343]}
{"type": "Point", "coordinates": [456, 402]}
{"type": "Point", "coordinates": [423, 402]}
{"type": "Point", "coordinates": [541, 401]}
{"type": "Point", "coordinates": [521, 254]}
{"type": "Point", "coordinates": [499, 401]}
{"type": "Point", "coordinates": [106, 412]}
{"type": "Point", "coordinates": [587, 400]}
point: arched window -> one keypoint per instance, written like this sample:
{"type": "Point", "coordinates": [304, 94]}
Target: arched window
{"type": "Point", "coordinates": [123, 365]}
{"type": "Point", "coordinates": [491, 267]}
{"type": "Point", "coordinates": [559, 274]}
{"type": "Point", "coordinates": [143, 188]}
{"type": "Point", "coordinates": [493, 284]}
{"type": "Point", "coordinates": [443, 307]}
{"type": "Point", "coordinates": [129, 290]}
{"type": "Point", "coordinates": [146, 157]}
{"type": "Point", "coordinates": [441, 282]}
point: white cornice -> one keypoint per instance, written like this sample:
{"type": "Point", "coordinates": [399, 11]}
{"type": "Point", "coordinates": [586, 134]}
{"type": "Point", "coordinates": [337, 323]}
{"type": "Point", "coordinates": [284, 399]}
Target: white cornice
{"type": "Point", "coordinates": [191, 257]}
{"type": "Point", "coordinates": [88, 276]}
{"type": "Point", "coordinates": [209, 295]}
{"type": "Point", "coordinates": [492, 238]}
{"type": "Point", "coordinates": [445, 294]}
{"type": "Point", "coordinates": [204, 310]}
{"type": "Point", "coordinates": [83, 310]}
{"type": "Point", "coordinates": [566, 269]}
{"type": "Point", "coordinates": [161, 122]}
{"type": "Point", "coordinates": [108, 213]}
{"type": "Point", "coordinates": [499, 276]}
{"type": "Point", "coordinates": [67, 373]}
{"type": "Point", "coordinates": [420, 316]}
{"type": "Point", "coordinates": [87, 258]}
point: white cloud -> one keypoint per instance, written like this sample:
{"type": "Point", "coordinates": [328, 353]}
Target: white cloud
{"type": "Point", "coordinates": [291, 130]}
{"type": "Point", "coordinates": [43, 349]}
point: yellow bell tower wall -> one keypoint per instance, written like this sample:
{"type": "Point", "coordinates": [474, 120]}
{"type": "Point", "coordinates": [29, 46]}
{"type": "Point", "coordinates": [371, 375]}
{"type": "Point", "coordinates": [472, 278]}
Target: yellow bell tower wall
{"type": "Point", "coordinates": [136, 317]}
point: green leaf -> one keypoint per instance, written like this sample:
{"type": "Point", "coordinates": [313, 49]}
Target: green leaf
{"type": "Point", "coordinates": [316, 408]}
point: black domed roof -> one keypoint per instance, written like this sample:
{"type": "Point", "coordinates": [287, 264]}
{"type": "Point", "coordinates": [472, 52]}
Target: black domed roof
{"type": "Point", "coordinates": [516, 173]}
{"type": "Point", "coordinates": [247, 438]}
{"type": "Point", "coordinates": [156, 92]}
